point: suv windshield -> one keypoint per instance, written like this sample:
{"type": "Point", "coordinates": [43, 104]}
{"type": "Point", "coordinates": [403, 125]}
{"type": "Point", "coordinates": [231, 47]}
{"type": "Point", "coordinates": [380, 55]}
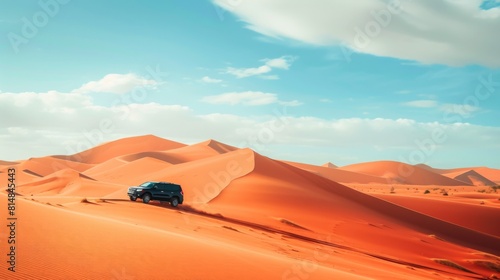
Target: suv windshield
{"type": "Point", "coordinates": [147, 184]}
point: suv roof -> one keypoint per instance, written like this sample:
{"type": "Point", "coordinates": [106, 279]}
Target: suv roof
{"type": "Point", "coordinates": [161, 182]}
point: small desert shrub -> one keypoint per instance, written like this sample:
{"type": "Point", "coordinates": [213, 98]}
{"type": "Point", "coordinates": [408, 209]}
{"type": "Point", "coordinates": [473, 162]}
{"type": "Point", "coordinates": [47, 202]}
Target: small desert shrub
{"type": "Point", "coordinates": [427, 191]}
{"type": "Point", "coordinates": [230, 228]}
{"type": "Point", "coordinates": [487, 264]}
{"type": "Point", "coordinates": [451, 264]}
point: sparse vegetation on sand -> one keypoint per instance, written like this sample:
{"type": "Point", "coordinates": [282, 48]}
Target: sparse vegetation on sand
{"type": "Point", "coordinates": [451, 264]}
{"type": "Point", "coordinates": [493, 266]}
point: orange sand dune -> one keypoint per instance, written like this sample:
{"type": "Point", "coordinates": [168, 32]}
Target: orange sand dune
{"type": "Point", "coordinates": [66, 182]}
{"type": "Point", "coordinates": [185, 154]}
{"type": "Point", "coordinates": [101, 253]}
{"type": "Point", "coordinates": [22, 176]}
{"type": "Point", "coordinates": [8, 163]}
{"type": "Point", "coordinates": [134, 172]}
{"type": "Point", "coordinates": [329, 165]}
{"type": "Point", "coordinates": [122, 147]}
{"type": "Point", "coordinates": [435, 170]}
{"type": "Point", "coordinates": [34, 168]}
{"type": "Point", "coordinates": [267, 194]}
{"type": "Point", "coordinates": [339, 175]}
{"type": "Point", "coordinates": [62, 177]}
{"type": "Point", "coordinates": [201, 248]}
{"type": "Point", "coordinates": [202, 180]}
{"type": "Point", "coordinates": [477, 217]}
{"type": "Point", "coordinates": [47, 165]}
{"type": "Point", "coordinates": [104, 167]}
{"type": "Point", "coordinates": [245, 216]}
{"type": "Point", "coordinates": [489, 173]}
{"type": "Point", "coordinates": [167, 157]}
{"type": "Point", "coordinates": [470, 177]}
{"type": "Point", "coordinates": [275, 187]}
{"type": "Point", "coordinates": [219, 147]}
{"type": "Point", "coordinates": [55, 183]}
{"type": "Point", "coordinates": [402, 173]}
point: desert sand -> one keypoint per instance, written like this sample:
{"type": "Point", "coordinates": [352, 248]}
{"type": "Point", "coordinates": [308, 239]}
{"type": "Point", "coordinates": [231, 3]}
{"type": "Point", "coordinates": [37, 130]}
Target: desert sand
{"type": "Point", "coordinates": [247, 216]}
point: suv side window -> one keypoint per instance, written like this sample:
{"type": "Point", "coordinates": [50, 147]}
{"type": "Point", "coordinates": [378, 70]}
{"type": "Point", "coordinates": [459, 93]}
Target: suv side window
{"type": "Point", "coordinates": [162, 187]}
{"type": "Point", "coordinates": [172, 188]}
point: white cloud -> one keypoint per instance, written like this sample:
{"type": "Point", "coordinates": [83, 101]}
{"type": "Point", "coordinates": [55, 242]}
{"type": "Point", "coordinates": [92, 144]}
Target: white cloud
{"type": "Point", "coordinates": [116, 83]}
{"type": "Point", "coordinates": [209, 80]}
{"type": "Point", "coordinates": [422, 103]}
{"type": "Point", "coordinates": [292, 103]}
{"type": "Point", "coordinates": [283, 63]}
{"type": "Point", "coordinates": [459, 111]}
{"type": "Point", "coordinates": [270, 77]}
{"type": "Point", "coordinates": [247, 72]}
{"type": "Point", "coordinates": [430, 32]}
{"type": "Point", "coordinates": [250, 98]}
{"type": "Point", "coordinates": [463, 110]}
{"type": "Point", "coordinates": [64, 123]}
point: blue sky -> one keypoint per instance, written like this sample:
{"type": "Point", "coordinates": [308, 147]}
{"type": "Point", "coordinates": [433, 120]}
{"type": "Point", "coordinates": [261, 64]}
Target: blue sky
{"type": "Point", "coordinates": [314, 82]}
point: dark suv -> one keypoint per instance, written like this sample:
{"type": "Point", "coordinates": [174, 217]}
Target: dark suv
{"type": "Point", "coordinates": [161, 191]}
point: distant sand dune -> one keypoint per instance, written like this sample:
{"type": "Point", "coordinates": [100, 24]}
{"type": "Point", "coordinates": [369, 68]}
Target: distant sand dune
{"type": "Point", "coordinates": [8, 163]}
{"type": "Point", "coordinates": [339, 175]}
{"type": "Point", "coordinates": [329, 165]}
{"type": "Point", "coordinates": [470, 177]}
{"type": "Point", "coordinates": [489, 173]}
{"type": "Point", "coordinates": [121, 147]}
{"type": "Point", "coordinates": [402, 173]}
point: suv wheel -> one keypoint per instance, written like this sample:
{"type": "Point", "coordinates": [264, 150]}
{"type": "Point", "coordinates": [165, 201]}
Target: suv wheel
{"type": "Point", "coordinates": [133, 198]}
{"type": "Point", "coordinates": [174, 202]}
{"type": "Point", "coordinates": [146, 198]}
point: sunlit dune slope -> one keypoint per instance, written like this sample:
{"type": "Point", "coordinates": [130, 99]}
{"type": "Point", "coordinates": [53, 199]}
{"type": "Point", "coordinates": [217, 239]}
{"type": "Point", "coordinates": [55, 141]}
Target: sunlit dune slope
{"type": "Point", "coordinates": [59, 243]}
{"type": "Point", "coordinates": [67, 182]}
{"type": "Point", "coordinates": [125, 146]}
{"type": "Point", "coordinates": [204, 179]}
{"type": "Point", "coordinates": [185, 154]}
{"type": "Point", "coordinates": [339, 175]}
